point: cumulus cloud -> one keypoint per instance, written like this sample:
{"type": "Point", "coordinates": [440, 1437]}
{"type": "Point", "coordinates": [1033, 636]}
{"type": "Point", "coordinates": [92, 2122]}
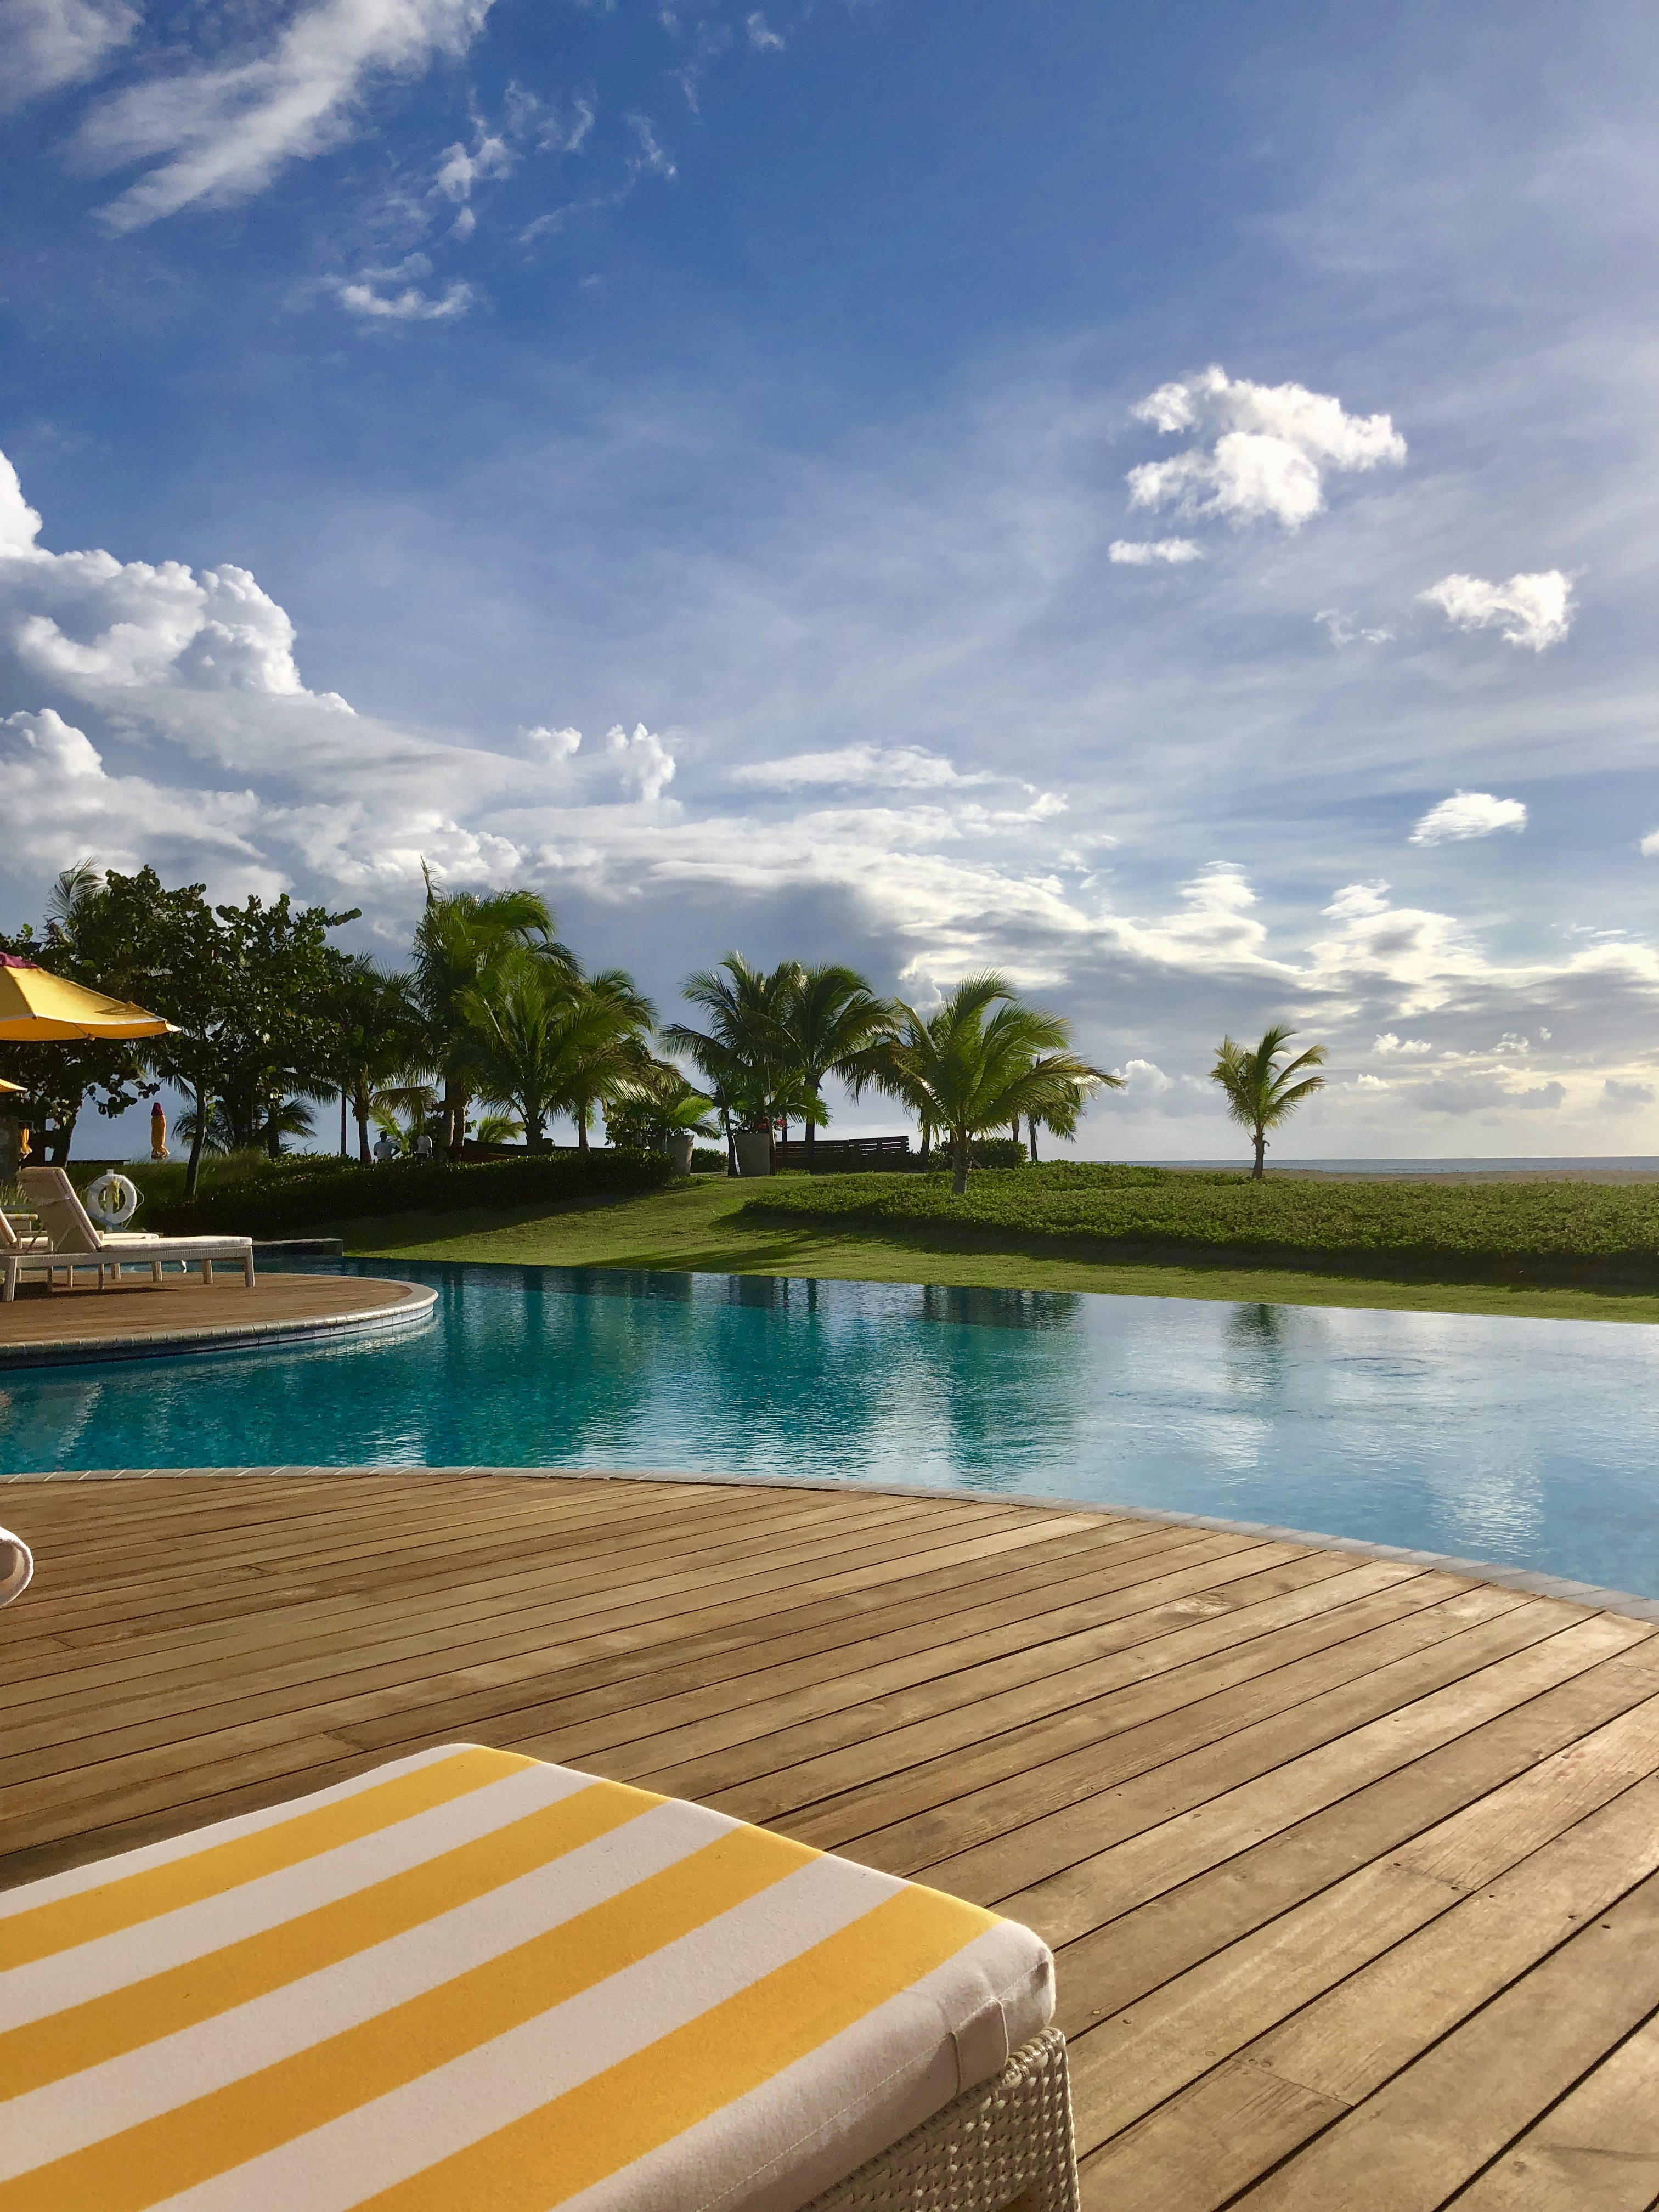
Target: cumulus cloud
{"type": "Point", "coordinates": [762, 39]}
{"type": "Point", "coordinates": [95, 625]}
{"type": "Point", "coordinates": [50, 44]}
{"type": "Point", "coordinates": [1650, 846]}
{"type": "Point", "coordinates": [1146, 1086]}
{"type": "Point", "coordinates": [1407, 1048]}
{"type": "Point", "coordinates": [901, 768]}
{"type": "Point", "coordinates": [644, 761]}
{"type": "Point", "coordinates": [1533, 611]}
{"type": "Point", "coordinates": [1475, 1094]}
{"type": "Point", "coordinates": [1152, 552]}
{"type": "Point", "coordinates": [557, 744]}
{"type": "Point", "coordinates": [1467, 814]}
{"type": "Point", "coordinates": [1264, 451]}
{"type": "Point", "coordinates": [219, 134]}
{"type": "Point", "coordinates": [1624, 1097]}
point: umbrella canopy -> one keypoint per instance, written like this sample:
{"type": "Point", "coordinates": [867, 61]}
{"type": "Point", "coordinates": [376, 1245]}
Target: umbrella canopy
{"type": "Point", "coordinates": [16, 1087]}
{"type": "Point", "coordinates": [38, 1008]}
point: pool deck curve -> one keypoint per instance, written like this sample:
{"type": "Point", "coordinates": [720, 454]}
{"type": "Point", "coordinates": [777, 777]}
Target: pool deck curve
{"type": "Point", "coordinates": [1349, 1860]}
{"type": "Point", "coordinates": [136, 1319]}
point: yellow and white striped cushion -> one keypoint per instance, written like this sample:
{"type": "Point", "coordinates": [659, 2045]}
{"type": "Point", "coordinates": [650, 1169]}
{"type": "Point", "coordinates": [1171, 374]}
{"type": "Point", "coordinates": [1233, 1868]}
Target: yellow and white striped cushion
{"type": "Point", "coordinates": [471, 1980]}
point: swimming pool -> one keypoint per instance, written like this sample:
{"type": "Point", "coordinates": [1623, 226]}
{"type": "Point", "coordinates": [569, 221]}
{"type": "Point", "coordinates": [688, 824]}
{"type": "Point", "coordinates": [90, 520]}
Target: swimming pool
{"type": "Point", "coordinates": [1534, 1444]}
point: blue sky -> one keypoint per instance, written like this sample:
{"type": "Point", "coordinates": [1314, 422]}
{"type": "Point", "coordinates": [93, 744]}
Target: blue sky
{"type": "Point", "coordinates": [1157, 500]}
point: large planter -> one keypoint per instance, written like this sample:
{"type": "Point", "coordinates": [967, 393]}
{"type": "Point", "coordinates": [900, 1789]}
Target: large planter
{"type": "Point", "coordinates": [680, 1143]}
{"type": "Point", "coordinates": [754, 1152]}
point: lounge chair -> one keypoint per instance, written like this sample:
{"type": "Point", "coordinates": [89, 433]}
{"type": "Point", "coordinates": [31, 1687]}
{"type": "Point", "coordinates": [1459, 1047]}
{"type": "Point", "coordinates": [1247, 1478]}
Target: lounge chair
{"type": "Point", "coordinates": [474, 1982]}
{"type": "Point", "coordinates": [16, 1565]}
{"type": "Point", "coordinates": [22, 1252]}
{"type": "Point", "coordinates": [76, 1241]}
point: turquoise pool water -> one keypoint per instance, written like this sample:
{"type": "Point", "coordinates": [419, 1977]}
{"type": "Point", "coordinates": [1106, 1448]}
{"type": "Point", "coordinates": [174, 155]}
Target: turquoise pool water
{"type": "Point", "coordinates": [1531, 1442]}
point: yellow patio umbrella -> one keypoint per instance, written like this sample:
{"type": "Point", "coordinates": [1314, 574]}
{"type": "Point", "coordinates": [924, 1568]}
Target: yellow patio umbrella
{"type": "Point", "coordinates": [40, 1008]}
{"type": "Point", "coordinates": [16, 1087]}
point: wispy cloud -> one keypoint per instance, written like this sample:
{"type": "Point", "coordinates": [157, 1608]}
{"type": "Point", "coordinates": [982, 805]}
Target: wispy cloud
{"type": "Point", "coordinates": [1533, 611]}
{"type": "Point", "coordinates": [762, 37]}
{"type": "Point", "coordinates": [1345, 630]}
{"type": "Point", "coordinates": [371, 294]}
{"type": "Point", "coordinates": [50, 44]}
{"type": "Point", "coordinates": [898, 767]}
{"type": "Point", "coordinates": [219, 135]}
{"type": "Point", "coordinates": [1270, 448]}
{"type": "Point", "coordinates": [1467, 814]}
{"type": "Point", "coordinates": [1152, 552]}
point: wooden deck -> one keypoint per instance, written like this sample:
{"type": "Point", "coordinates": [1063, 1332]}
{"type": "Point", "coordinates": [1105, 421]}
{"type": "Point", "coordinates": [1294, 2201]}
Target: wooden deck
{"type": "Point", "coordinates": [1351, 1866]}
{"type": "Point", "coordinates": [182, 1305]}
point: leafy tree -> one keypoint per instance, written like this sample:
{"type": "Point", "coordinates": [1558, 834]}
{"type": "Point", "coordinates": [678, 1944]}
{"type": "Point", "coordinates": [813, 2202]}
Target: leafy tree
{"type": "Point", "coordinates": [1260, 1093]}
{"type": "Point", "coordinates": [458, 935]}
{"type": "Point", "coordinates": [831, 1023]}
{"type": "Point", "coordinates": [59, 1078]}
{"type": "Point", "coordinates": [968, 1068]}
{"type": "Point", "coordinates": [539, 1042]}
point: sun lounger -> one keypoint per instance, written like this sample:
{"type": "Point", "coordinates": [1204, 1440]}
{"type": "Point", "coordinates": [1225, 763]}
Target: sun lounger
{"type": "Point", "coordinates": [16, 1565]}
{"type": "Point", "coordinates": [76, 1241]}
{"type": "Point", "coordinates": [21, 1253]}
{"type": "Point", "coordinates": [472, 1982]}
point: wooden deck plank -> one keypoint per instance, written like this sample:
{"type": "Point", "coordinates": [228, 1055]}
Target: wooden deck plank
{"type": "Point", "coordinates": [1352, 1865]}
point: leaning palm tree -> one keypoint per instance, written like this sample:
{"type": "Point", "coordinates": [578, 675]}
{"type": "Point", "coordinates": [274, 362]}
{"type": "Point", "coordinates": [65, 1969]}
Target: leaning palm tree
{"type": "Point", "coordinates": [459, 934]}
{"type": "Point", "coordinates": [743, 1054]}
{"type": "Point", "coordinates": [539, 1042]}
{"type": "Point", "coordinates": [968, 1068]}
{"type": "Point", "coordinates": [1061, 1119]}
{"type": "Point", "coordinates": [1259, 1094]}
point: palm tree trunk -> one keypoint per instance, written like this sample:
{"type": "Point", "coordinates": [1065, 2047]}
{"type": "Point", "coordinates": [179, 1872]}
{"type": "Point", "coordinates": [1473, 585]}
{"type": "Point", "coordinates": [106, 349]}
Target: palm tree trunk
{"type": "Point", "coordinates": [958, 1163]}
{"type": "Point", "coordinates": [1259, 1171]}
{"type": "Point", "coordinates": [455, 1121]}
{"type": "Point", "coordinates": [730, 1141]}
{"type": "Point", "coordinates": [193, 1171]}
{"type": "Point", "coordinates": [811, 1132]}
{"type": "Point", "coordinates": [581, 1126]}
{"type": "Point", "coordinates": [344, 1153]}
{"type": "Point", "coordinates": [1031, 1125]}
{"type": "Point", "coordinates": [360, 1108]}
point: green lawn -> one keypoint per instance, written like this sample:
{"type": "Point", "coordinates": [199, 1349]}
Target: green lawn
{"type": "Point", "coordinates": [693, 1226]}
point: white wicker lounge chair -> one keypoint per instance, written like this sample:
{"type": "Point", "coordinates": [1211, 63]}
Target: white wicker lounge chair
{"type": "Point", "coordinates": [17, 1566]}
{"type": "Point", "coordinates": [76, 1241]}
{"type": "Point", "coordinates": [471, 1981]}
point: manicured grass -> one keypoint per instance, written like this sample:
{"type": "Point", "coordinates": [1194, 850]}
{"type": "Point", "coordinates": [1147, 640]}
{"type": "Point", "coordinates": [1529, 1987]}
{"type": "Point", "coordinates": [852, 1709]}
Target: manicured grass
{"type": "Point", "coordinates": [699, 1226]}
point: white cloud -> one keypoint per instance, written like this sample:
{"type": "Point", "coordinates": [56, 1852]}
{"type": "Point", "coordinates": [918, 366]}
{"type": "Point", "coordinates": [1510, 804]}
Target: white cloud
{"type": "Point", "coordinates": [217, 135]}
{"type": "Point", "coordinates": [1370, 1083]}
{"type": "Point", "coordinates": [1355, 902]}
{"type": "Point", "coordinates": [1624, 1097]}
{"type": "Point", "coordinates": [762, 39]}
{"type": "Point", "coordinates": [1272, 447]}
{"type": "Point", "coordinates": [1468, 814]}
{"type": "Point", "coordinates": [1475, 1094]}
{"type": "Point", "coordinates": [557, 744]}
{"type": "Point", "coordinates": [1407, 1048]}
{"type": "Point", "coordinates": [902, 768]}
{"type": "Point", "coordinates": [52, 43]}
{"type": "Point", "coordinates": [1147, 1086]}
{"type": "Point", "coordinates": [1150, 552]}
{"type": "Point", "coordinates": [645, 761]}
{"type": "Point", "coordinates": [1650, 846]}
{"type": "Point", "coordinates": [1534, 611]}
{"type": "Point", "coordinates": [372, 296]}
{"type": "Point", "coordinates": [1343, 629]}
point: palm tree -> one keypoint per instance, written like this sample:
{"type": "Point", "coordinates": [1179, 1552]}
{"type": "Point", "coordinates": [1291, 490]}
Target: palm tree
{"type": "Point", "coordinates": [966, 1069]}
{"type": "Point", "coordinates": [831, 1022]}
{"type": "Point", "coordinates": [743, 1056]}
{"type": "Point", "coordinates": [540, 1041]}
{"type": "Point", "coordinates": [379, 1038]}
{"type": "Point", "coordinates": [459, 934]}
{"type": "Point", "coordinates": [1061, 1120]}
{"type": "Point", "coordinates": [616, 987]}
{"type": "Point", "coordinates": [655, 1103]}
{"type": "Point", "coordinates": [1259, 1093]}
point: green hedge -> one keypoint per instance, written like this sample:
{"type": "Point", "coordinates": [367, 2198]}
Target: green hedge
{"type": "Point", "coordinates": [305, 1197]}
{"type": "Point", "coordinates": [1513, 1226]}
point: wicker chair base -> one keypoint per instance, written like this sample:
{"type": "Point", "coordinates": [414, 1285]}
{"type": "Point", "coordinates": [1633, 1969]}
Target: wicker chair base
{"type": "Point", "coordinates": [1004, 2146]}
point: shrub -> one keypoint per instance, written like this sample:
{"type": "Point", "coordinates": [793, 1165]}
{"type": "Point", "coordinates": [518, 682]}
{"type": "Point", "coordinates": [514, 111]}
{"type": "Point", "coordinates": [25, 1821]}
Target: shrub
{"type": "Point", "coordinates": [315, 1190]}
{"type": "Point", "coordinates": [1511, 1226]}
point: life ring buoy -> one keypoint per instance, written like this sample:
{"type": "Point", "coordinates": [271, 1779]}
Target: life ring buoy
{"type": "Point", "coordinates": [112, 1200]}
